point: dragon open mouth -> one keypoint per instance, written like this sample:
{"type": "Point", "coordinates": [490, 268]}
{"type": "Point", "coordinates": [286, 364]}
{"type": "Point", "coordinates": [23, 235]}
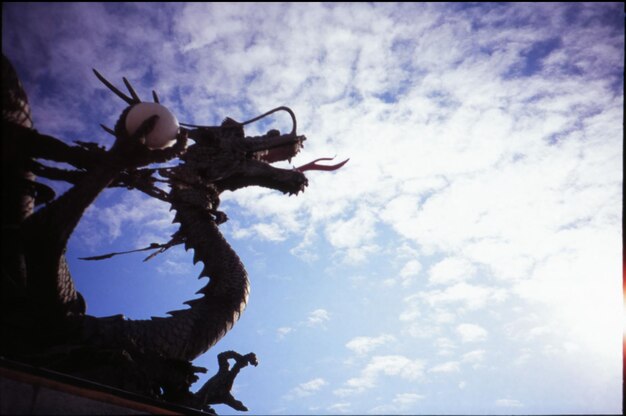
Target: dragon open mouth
{"type": "Point", "coordinates": [288, 146]}
{"type": "Point", "coordinates": [283, 148]}
{"type": "Point", "coordinates": [274, 147]}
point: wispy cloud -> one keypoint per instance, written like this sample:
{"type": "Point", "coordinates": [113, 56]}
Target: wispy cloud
{"type": "Point", "coordinates": [283, 331]}
{"type": "Point", "coordinates": [474, 357]}
{"type": "Point", "coordinates": [410, 271]}
{"type": "Point", "coordinates": [318, 318]}
{"type": "Point", "coordinates": [307, 388]}
{"type": "Point", "coordinates": [486, 159]}
{"type": "Point", "coordinates": [341, 407]}
{"type": "Point", "coordinates": [510, 403]}
{"type": "Point", "coordinates": [134, 218]}
{"type": "Point", "coordinates": [451, 269]}
{"type": "Point", "coordinates": [447, 367]}
{"type": "Point", "coordinates": [364, 345]}
{"type": "Point", "coordinates": [388, 365]}
{"type": "Point", "coordinates": [262, 231]}
{"type": "Point", "coordinates": [471, 333]}
{"type": "Point", "coordinates": [468, 295]}
{"type": "Point", "coordinates": [401, 403]}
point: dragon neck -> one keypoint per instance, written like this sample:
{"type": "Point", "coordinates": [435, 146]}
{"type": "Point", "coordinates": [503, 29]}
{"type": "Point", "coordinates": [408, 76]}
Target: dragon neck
{"type": "Point", "coordinates": [188, 333]}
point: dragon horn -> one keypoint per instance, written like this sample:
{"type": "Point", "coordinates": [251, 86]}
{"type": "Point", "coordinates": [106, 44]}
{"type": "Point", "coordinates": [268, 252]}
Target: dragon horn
{"type": "Point", "coordinates": [283, 108]}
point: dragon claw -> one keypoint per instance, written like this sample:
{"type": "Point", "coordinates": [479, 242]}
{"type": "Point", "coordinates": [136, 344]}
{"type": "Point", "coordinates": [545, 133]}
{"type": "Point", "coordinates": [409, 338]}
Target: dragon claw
{"type": "Point", "coordinates": [217, 389]}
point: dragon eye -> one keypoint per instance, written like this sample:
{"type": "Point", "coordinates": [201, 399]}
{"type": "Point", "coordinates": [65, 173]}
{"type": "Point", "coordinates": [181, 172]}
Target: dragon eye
{"type": "Point", "coordinates": [165, 131]}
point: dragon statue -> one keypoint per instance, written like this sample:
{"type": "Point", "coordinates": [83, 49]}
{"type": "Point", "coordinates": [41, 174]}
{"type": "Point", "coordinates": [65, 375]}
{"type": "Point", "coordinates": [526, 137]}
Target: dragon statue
{"type": "Point", "coordinates": [44, 319]}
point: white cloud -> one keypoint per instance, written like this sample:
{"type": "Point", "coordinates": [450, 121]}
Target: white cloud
{"type": "Point", "coordinates": [442, 316]}
{"type": "Point", "coordinates": [423, 330]}
{"type": "Point", "coordinates": [389, 365]}
{"type": "Point", "coordinates": [405, 399]}
{"type": "Point", "coordinates": [474, 357]}
{"type": "Point", "coordinates": [512, 403]}
{"type": "Point", "coordinates": [583, 292]}
{"type": "Point", "coordinates": [175, 267]}
{"type": "Point", "coordinates": [354, 235]}
{"type": "Point", "coordinates": [308, 388]}
{"type": "Point", "coordinates": [342, 407]}
{"type": "Point", "coordinates": [471, 333]}
{"type": "Point", "coordinates": [357, 255]}
{"type": "Point", "coordinates": [264, 231]}
{"type": "Point", "coordinates": [401, 403]}
{"type": "Point", "coordinates": [470, 296]}
{"type": "Point", "coordinates": [447, 367]}
{"type": "Point", "coordinates": [305, 249]}
{"type": "Point", "coordinates": [135, 217]}
{"type": "Point", "coordinates": [413, 310]}
{"type": "Point", "coordinates": [283, 331]}
{"type": "Point", "coordinates": [451, 269]}
{"type": "Point", "coordinates": [409, 271]}
{"type": "Point", "coordinates": [445, 346]}
{"type": "Point", "coordinates": [364, 345]}
{"type": "Point", "coordinates": [455, 152]}
{"type": "Point", "coordinates": [317, 318]}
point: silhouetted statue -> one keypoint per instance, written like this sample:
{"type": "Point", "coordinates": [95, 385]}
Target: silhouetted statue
{"type": "Point", "coordinates": [44, 320]}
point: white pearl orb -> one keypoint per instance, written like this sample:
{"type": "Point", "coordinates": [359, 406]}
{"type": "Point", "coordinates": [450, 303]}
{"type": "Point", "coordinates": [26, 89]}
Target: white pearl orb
{"type": "Point", "coordinates": [164, 132]}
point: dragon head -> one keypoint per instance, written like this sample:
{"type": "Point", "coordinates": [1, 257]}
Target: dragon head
{"type": "Point", "coordinates": [229, 159]}
{"type": "Point", "coordinates": [222, 157]}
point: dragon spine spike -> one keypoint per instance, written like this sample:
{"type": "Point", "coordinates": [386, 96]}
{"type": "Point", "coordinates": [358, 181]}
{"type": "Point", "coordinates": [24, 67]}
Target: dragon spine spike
{"type": "Point", "coordinates": [131, 90]}
{"type": "Point", "coordinates": [110, 86]}
{"type": "Point", "coordinates": [107, 129]}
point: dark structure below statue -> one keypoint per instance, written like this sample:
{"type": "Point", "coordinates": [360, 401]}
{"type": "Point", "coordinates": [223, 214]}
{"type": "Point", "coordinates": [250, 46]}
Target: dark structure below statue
{"type": "Point", "coordinates": [34, 391]}
{"type": "Point", "coordinates": [44, 319]}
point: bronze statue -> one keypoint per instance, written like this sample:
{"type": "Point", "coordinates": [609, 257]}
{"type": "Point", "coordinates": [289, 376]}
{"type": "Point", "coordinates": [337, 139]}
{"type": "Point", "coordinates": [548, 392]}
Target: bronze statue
{"type": "Point", "coordinates": [44, 320]}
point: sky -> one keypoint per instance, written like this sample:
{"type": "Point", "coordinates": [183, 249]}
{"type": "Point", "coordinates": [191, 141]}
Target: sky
{"type": "Point", "coordinates": [466, 260]}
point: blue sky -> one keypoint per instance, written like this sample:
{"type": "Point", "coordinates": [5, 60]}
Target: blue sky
{"type": "Point", "coordinates": [468, 257]}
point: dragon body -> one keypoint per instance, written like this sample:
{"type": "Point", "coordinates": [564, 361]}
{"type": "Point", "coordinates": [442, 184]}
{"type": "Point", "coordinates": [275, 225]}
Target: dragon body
{"type": "Point", "coordinates": [44, 319]}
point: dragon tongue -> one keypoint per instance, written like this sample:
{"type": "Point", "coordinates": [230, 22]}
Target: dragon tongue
{"type": "Point", "coordinates": [314, 166]}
